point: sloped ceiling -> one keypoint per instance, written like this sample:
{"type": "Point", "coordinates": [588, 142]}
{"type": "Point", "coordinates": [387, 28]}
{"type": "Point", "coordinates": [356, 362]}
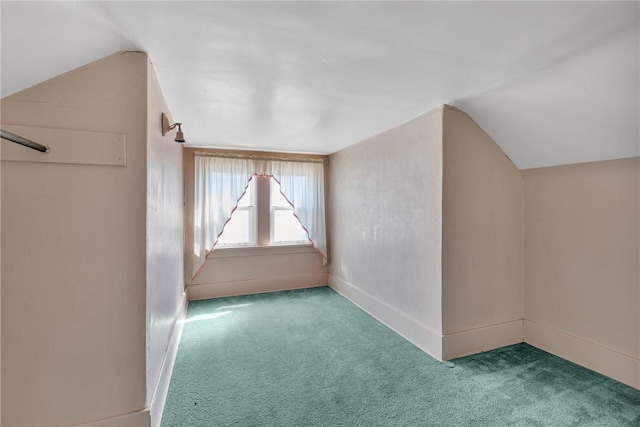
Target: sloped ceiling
{"type": "Point", "coordinates": [551, 82]}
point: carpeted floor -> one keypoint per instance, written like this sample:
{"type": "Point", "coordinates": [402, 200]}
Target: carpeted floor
{"type": "Point", "coordinates": [311, 358]}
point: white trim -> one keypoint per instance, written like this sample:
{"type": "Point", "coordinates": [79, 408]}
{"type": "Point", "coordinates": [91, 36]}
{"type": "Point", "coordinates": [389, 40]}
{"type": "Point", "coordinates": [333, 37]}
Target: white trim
{"type": "Point", "coordinates": [255, 286]}
{"type": "Point", "coordinates": [280, 249]}
{"type": "Point", "coordinates": [159, 397]}
{"type": "Point", "coordinates": [414, 331]}
{"type": "Point", "coordinates": [460, 344]}
{"type": "Point", "coordinates": [607, 361]}
{"type": "Point", "coordinates": [133, 419]}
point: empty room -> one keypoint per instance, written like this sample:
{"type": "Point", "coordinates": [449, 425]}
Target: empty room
{"type": "Point", "coordinates": [323, 213]}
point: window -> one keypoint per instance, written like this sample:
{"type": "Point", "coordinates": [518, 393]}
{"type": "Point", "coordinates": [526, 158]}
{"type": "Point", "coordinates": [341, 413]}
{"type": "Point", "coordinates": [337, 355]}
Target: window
{"type": "Point", "coordinates": [241, 228]}
{"type": "Point", "coordinates": [238, 201]}
{"type": "Point", "coordinates": [248, 225]}
{"type": "Point", "coordinates": [285, 227]}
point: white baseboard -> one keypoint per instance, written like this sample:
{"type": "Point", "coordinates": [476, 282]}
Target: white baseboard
{"type": "Point", "coordinates": [487, 338]}
{"type": "Point", "coordinates": [414, 331]}
{"type": "Point", "coordinates": [255, 286]}
{"type": "Point", "coordinates": [159, 397]}
{"type": "Point", "coordinates": [133, 419]}
{"type": "Point", "coordinates": [609, 362]}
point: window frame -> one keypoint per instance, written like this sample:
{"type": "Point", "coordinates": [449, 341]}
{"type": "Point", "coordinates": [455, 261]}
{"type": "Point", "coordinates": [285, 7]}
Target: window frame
{"type": "Point", "coordinates": [274, 186]}
{"type": "Point", "coordinates": [188, 161]}
{"type": "Point", "coordinates": [261, 205]}
{"type": "Point", "coordinates": [252, 208]}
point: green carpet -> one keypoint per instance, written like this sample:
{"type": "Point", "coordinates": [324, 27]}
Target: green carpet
{"type": "Point", "coordinates": [311, 358]}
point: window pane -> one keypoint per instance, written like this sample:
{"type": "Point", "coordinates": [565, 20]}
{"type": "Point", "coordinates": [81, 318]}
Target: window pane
{"type": "Point", "coordinates": [277, 199]}
{"type": "Point", "coordinates": [247, 199]}
{"type": "Point", "coordinates": [286, 227]}
{"type": "Point", "coordinates": [238, 229]}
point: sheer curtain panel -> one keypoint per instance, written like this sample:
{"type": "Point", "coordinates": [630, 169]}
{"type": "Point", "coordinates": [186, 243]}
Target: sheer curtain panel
{"type": "Point", "coordinates": [303, 186]}
{"type": "Point", "coordinates": [219, 184]}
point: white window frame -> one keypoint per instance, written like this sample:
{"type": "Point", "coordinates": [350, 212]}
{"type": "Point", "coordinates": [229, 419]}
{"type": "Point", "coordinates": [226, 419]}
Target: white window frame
{"type": "Point", "coordinates": [262, 194]}
{"type": "Point", "coordinates": [253, 220]}
{"type": "Point", "coordinates": [272, 218]}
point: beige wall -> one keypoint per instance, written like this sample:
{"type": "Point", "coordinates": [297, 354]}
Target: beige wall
{"type": "Point", "coordinates": [582, 284]}
{"type": "Point", "coordinates": [73, 252]}
{"type": "Point", "coordinates": [482, 241]}
{"type": "Point", "coordinates": [165, 269]}
{"type": "Point", "coordinates": [254, 270]}
{"type": "Point", "coordinates": [549, 256]}
{"type": "Point", "coordinates": [242, 271]}
{"type": "Point", "coordinates": [385, 206]}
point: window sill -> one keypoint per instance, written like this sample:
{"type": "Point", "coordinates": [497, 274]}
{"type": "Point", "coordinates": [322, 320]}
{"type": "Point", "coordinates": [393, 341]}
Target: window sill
{"type": "Point", "coordinates": [242, 251]}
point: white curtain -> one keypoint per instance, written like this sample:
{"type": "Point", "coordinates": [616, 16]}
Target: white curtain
{"type": "Point", "coordinates": [221, 182]}
{"type": "Point", "coordinates": [303, 186]}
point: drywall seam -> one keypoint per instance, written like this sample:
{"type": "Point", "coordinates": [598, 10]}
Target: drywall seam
{"type": "Point", "coordinates": [162, 387]}
{"type": "Point", "coordinates": [255, 286]}
{"type": "Point", "coordinates": [414, 331]}
{"type": "Point", "coordinates": [607, 361]}
{"type": "Point", "coordinates": [481, 339]}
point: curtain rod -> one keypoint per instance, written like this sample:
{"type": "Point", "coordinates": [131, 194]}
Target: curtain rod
{"type": "Point", "coordinates": [259, 157]}
{"type": "Point", "coordinates": [23, 141]}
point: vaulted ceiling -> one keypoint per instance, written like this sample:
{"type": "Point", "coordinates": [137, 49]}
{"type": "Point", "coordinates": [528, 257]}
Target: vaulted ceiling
{"type": "Point", "coordinates": [551, 82]}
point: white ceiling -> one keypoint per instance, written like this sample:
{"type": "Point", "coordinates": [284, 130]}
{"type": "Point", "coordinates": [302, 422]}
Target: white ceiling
{"type": "Point", "coordinates": [551, 82]}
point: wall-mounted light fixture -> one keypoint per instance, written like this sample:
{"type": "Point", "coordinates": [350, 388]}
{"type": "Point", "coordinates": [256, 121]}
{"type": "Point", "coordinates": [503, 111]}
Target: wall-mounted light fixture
{"type": "Point", "coordinates": [166, 127]}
